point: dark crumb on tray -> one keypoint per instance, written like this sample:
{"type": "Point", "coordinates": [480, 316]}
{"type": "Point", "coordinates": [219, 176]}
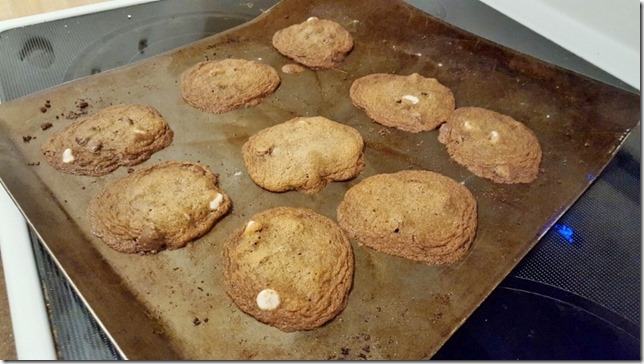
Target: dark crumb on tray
{"type": "Point", "coordinates": [27, 138]}
{"type": "Point", "coordinates": [45, 126]}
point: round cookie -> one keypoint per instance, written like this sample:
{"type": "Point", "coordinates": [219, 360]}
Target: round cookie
{"type": "Point", "coordinates": [417, 215]}
{"type": "Point", "coordinates": [304, 154]}
{"type": "Point", "coordinates": [162, 206]}
{"type": "Point", "coordinates": [120, 135]}
{"type": "Point", "coordinates": [412, 103]}
{"type": "Point", "coordinates": [315, 43]}
{"type": "Point", "coordinates": [492, 145]}
{"type": "Point", "coordinates": [290, 268]}
{"type": "Point", "coordinates": [229, 84]}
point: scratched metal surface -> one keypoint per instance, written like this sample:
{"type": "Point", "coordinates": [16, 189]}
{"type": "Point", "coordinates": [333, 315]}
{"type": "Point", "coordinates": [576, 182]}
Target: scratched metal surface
{"type": "Point", "coordinates": [172, 305]}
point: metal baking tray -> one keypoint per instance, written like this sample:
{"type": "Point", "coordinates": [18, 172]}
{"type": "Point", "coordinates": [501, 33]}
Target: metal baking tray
{"type": "Point", "coordinates": [172, 305]}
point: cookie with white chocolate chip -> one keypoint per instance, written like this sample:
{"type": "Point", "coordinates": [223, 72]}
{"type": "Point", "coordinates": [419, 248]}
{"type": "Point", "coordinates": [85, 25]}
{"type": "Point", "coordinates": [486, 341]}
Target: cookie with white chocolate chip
{"type": "Point", "coordinates": [119, 135]}
{"type": "Point", "coordinates": [229, 84]}
{"type": "Point", "coordinates": [492, 145]}
{"type": "Point", "coordinates": [417, 215]}
{"type": "Point", "coordinates": [163, 206]}
{"type": "Point", "coordinates": [303, 154]}
{"type": "Point", "coordinates": [315, 43]}
{"type": "Point", "coordinates": [412, 103]}
{"type": "Point", "coordinates": [290, 268]}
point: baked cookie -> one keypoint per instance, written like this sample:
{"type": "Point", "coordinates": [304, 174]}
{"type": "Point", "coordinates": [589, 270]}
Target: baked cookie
{"type": "Point", "coordinates": [229, 84]}
{"type": "Point", "coordinates": [162, 206]}
{"type": "Point", "coordinates": [417, 215]}
{"type": "Point", "coordinates": [492, 145]}
{"type": "Point", "coordinates": [315, 43]}
{"type": "Point", "coordinates": [411, 103]}
{"type": "Point", "coordinates": [290, 268]}
{"type": "Point", "coordinates": [304, 154]}
{"type": "Point", "coordinates": [120, 135]}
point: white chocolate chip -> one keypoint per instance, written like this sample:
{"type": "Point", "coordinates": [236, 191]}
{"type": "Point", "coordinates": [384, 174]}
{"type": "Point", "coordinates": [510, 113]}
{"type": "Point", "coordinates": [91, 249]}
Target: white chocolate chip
{"type": "Point", "coordinates": [268, 300]}
{"type": "Point", "coordinates": [467, 125]}
{"type": "Point", "coordinates": [68, 157]}
{"type": "Point", "coordinates": [311, 19]}
{"type": "Point", "coordinates": [413, 99]}
{"type": "Point", "coordinates": [252, 227]}
{"type": "Point", "coordinates": [139, 131]}
{"type": "Point", "coordinates": [502, 170]}
{"type": "Point", "coordinates": [216, 202]}
{"type": "Point", "coordinates": [238, 173]}
{"type": "Point", "coordinates": [494, 136]}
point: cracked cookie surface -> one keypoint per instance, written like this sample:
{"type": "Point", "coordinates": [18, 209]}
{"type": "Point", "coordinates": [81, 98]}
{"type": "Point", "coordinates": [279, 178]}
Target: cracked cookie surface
{"type": "Point", "coordinates": [303, 154]}
{"type": "Point", "coordinates": [162, 206]}
{"type": "Point", "coordinates": [418, 215]}
{"type": "Point", "coordinates": [119, 135]}
{"type": "Point", "coordinates": [290, 268]}
{"type": "Point", "coordinates": [492, 145]}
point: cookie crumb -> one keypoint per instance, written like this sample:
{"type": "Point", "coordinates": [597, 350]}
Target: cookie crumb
{"type": "Point", "coordinates": [43, 109]}
{"type": "Point", "coordinates": [130, 170]}
{"type": "Point", "coordinates": [196, 322]}
{"type": "Point", "coordinates": [45, 126]}
{"type": "Point", "coordinates": [27, 138]}
{"type": "Point", "coordinates": [292, 68]}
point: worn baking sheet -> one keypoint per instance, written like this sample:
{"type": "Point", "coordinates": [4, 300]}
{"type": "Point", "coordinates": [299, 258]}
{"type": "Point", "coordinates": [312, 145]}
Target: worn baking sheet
{"type": "Point", "coordinates": [172, 305]}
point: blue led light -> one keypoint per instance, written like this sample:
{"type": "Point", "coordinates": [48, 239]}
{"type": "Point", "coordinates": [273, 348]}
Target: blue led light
{"type": "Point", "coordinates": [590, 176]}
{"type": "Point", "coordinates": [565, 231]}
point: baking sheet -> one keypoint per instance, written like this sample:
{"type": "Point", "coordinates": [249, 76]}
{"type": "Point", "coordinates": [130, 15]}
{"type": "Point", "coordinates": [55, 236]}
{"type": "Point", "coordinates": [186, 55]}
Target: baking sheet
{"type": "Point", "coordinates": [172, 305]}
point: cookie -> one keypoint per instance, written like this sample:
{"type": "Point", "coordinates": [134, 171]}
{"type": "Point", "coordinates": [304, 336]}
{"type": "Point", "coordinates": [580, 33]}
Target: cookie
{"type": "Point", "coordinates": [290, 268]}
{"type": "Point", "coordinates": [492, 145]}
{"type": "Point", "coordinates": [412, 103]}
{"type": "Point", "coordinates": [120, 135]}
{"type": "Point", "coordinates": [304, 154]}
{"type": "Point", "coordinates": [229, 84]}
{"type": "Point", "coordinates": [418, 215]}
{"type": "Point", "coordinates": [162, 206]}
{"type": "Point", "coordinates": [315, 43]}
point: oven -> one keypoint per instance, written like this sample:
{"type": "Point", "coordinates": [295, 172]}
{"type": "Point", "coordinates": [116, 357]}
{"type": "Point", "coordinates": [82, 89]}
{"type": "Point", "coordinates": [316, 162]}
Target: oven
{"type": "Point", "coordinates": [576, 295]}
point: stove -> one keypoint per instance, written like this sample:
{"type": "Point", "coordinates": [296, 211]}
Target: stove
{"type": "Point", "coordinates": [576, 295]}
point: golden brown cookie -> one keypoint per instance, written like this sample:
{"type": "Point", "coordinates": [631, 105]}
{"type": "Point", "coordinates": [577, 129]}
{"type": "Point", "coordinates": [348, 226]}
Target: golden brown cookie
{"type": "Point", "coordinates": [162, 206]}
{"type": "Point", "coordinates": [229, 84]}
{"type": "Point", "coordinates": [492, 145]}
{"type": "Point", "coordinates": [411, 103]}
{"type": "Point", "coordinates": [304, 154]}
{"type": "Point", "coordinates": [289, 267]}
{"type": "Point", "coordinates": [315, 43]}
{"type": "Point", "coordinates": [120, 135]}
{"type": "Point", "coordinates": [417, 215]}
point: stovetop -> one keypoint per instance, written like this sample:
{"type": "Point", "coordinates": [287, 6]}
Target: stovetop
{"type": "Point", "coordinates": [576, 295]}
